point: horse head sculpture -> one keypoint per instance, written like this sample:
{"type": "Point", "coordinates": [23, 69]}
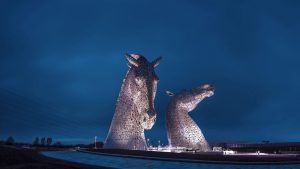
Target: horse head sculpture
{"type": "Point", "coordinates": [135, 106]}
{"type": "Point", "coordinates": [182, 130]}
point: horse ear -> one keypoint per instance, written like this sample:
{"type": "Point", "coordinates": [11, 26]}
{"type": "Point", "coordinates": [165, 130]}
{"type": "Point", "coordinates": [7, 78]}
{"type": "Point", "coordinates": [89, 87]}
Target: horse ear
{"type": "Point", "coordinates": [156, 61]}
{"type": "Point", "coordinates": [170, 93]}
{"type": "Point", "coordinates": [131, 60]}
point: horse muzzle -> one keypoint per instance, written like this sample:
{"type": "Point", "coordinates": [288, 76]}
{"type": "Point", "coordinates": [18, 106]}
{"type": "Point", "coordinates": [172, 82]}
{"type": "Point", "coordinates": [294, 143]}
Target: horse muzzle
{"type": "Point", "coordinates": [149, 120]}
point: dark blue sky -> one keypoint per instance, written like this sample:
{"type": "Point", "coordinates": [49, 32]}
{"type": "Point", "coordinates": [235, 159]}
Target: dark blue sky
{"type": "Point", "coordinates": [62, 65]}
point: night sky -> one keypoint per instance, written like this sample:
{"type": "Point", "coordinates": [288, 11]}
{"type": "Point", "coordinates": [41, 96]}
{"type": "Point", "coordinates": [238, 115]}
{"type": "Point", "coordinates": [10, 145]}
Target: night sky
{"type": "Point", "coordinates": [62, 64]}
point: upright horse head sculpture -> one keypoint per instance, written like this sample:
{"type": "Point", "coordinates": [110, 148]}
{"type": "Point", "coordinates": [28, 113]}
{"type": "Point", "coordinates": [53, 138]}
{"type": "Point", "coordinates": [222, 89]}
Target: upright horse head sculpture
{"type": "Point", "coordinates": [135, 105]}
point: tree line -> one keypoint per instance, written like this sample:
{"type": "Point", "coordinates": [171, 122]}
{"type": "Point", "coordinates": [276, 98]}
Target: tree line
{"type": "Point", "coordinates": [48, 142]}
{"type": "Point", "coordinates": [37, 141]}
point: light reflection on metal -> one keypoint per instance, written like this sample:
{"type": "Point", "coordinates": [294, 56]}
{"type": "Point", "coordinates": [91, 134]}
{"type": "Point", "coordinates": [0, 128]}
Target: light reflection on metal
{"type": "Point", "coordinates": [135, 105]}
{"type": "Point", "coordinates": [181, 129]}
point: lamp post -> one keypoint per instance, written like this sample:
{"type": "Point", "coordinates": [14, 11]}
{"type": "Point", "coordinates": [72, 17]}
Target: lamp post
{"type": "Point", "coordinates": [158, 144]}
{"type": "Point", "coordinates": [95, 142]}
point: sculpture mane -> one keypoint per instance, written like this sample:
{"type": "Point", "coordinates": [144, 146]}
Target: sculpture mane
{"type": "Point", "coordinates": [135, 105]}
{"type": "Point", "coordinates": [182, 131]}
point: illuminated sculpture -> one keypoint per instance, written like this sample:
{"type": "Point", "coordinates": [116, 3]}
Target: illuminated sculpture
{"type": "Point", "coordinates": [135, 105]}
{"type": "Point", "coordinates": [181, 129]}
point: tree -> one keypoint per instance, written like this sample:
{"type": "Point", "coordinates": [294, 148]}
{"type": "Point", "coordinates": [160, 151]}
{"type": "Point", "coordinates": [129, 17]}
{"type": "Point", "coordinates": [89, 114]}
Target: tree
{"type": "Point", "coordinates": [43, 141]}
{"type": "Point", "coordinates": [10, 141]}
{"type": "Point", "coordinates": [99, 144]}
{"type": "Point", "coordinates": [49, 141]}
{"type": "Point", "coordinates": [36, 141]}
{"type": "Point", "coordinates": [58, 144]}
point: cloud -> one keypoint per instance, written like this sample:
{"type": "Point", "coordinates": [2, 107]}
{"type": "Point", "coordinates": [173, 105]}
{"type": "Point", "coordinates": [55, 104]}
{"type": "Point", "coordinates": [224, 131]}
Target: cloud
{"type": "Point", "coordinates": [73, 61]}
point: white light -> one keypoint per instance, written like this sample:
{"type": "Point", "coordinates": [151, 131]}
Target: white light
{"type": "Point", "coordinates": [228, 152]}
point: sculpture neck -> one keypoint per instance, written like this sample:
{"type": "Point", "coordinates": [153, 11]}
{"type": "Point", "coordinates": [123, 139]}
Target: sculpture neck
{"type": "Point", "coordinates": [126, 108]}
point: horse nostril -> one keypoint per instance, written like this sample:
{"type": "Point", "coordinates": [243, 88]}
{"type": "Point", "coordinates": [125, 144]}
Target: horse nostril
{"type": "Point", "coordinates": [144, 119]}
{"type": "Point", "coordinates": [154, 119]}
{"type": "Point", "coordinates": [151, 114]}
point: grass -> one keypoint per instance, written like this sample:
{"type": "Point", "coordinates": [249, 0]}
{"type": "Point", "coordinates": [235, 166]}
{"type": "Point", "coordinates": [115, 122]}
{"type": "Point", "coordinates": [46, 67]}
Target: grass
{"type": "Point", "coordinates": [19, 158]}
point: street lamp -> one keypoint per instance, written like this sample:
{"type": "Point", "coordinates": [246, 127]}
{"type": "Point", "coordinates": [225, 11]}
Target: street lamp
{"type": "Point", "coordinates": [95, 142]}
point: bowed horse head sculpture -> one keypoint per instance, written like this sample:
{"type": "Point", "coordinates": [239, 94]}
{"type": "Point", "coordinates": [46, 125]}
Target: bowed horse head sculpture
{"type": "Point", "coordinates": [182, 131]}
{"type": "Point", "coordinates": [135, 105]}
